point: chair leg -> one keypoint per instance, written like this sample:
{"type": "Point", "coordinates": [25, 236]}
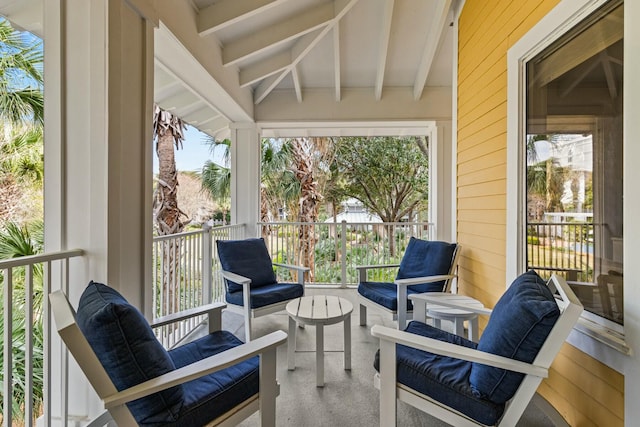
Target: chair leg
{"type": "Point", "coordinates": [363, 315]}
{"type": "Point", "coordinates": [268, 388]}
{"type": "Point", "coordinates": [247, 325]}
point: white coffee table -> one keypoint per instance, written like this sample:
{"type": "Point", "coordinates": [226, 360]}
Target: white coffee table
{"type": "Point", "coordinates": [430, 304]}
{"type": "Point", "coordinates": [319, 310]}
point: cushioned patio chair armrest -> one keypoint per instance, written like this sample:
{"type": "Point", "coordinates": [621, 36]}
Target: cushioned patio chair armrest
{"type": "Point", "coordinates": [424, 279]}
{"type": "Point", "coordinates": [186, 314]}
{"type": "Point", "coordinates": [292, 267]}
{"type": "Point", "coordinates": [370, 267]}
{"type": "Point", "coordinates": [434, 299]}
{"type": "Point", "coordinates": [198, 369]}
{"type": "Point", "coordinates": [456, 351]}
{"type": "Point", "coordinates": [299, 268]}
{"type": "Point", "coordinates": [236, 278]}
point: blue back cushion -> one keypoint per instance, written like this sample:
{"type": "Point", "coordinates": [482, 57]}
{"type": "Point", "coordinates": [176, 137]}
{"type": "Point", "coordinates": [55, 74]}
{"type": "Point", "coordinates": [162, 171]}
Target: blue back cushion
{"type": "Point", "coordinates": [248, 258]}
{"type": "Point", "coordinates": [426, 258]}
{"type": "Point", "coordinates": [517, 329]}
{"type": "Point", "coordinates": [128, 350]}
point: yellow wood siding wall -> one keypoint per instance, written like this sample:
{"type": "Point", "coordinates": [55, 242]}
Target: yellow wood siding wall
{"type": "Point", "coordinates": [583, 390]}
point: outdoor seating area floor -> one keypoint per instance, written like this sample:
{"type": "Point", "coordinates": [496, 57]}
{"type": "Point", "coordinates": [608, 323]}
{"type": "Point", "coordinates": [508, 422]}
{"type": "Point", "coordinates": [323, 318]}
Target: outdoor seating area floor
{"type": "Point", "coordinates": [348, 398]}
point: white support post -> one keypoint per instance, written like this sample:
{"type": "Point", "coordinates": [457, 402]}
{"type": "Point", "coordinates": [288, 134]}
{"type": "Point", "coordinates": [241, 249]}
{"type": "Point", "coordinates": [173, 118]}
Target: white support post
{"type": "Point", "coordinates": [207, 263]}
{"type": "Point", "coordinates": [245, 177]}
{"type": "Point", "coordinates": [98, 179]}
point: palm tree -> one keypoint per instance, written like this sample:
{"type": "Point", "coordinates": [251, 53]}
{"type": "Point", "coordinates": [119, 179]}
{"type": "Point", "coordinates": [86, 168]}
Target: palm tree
{"type": "Point", "coordinates": [168, 131]}
{"type": "Point", "coordinates": [216, 180]}
{"type": "Point", "coordinates": [21, 78]}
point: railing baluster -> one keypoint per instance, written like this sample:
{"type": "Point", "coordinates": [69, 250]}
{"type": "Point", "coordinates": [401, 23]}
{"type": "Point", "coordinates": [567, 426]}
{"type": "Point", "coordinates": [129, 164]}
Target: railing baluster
{"type": "Point", "coordinates": [7, 418]}
{"type": "Point", "coordinates": [28, 361]}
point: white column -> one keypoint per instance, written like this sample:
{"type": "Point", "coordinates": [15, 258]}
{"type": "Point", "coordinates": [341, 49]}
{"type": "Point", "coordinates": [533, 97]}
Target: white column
{"type": "Point", "coordinates": [440, 180]}
{"type": "Point", "coordinates": [98, 176]}
{"type": "Point", "coordinates": [245, 176]}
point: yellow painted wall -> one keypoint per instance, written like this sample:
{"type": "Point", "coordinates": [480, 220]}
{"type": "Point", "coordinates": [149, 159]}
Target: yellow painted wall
{"type": "Point", "coordinates": [583, 390]}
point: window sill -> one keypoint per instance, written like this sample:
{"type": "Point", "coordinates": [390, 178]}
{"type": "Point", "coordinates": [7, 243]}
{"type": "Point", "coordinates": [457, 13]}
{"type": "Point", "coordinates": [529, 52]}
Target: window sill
{"type": "Point", "coordinates": [602, 343]}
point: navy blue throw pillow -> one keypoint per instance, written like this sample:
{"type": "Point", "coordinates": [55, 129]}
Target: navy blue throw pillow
{"type": "Point", "coordinates": [128, 350]}
{"type": "Point", "coordinates": [426, 258]}
{"type": "Point", "coordinates": [248, 258]}
{"type": "Point", "coordinates": [518, 327]}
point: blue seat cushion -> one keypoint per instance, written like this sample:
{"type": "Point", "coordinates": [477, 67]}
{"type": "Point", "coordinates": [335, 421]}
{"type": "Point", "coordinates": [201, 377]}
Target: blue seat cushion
{"type": "Point", "coordinates": [267, 295]}
{"type": "Point", "coordinates": [208, 397]}
{"type": "Point", "coordinates": [248, 258]}
{"type": "Point", "coordinates": [426, 258]}
{"type": "Point", "coordinates": [128, 350]}
{"type": "Point", "coordinates": [384, 294]}
{"type": "Point", "coordinates": [444, 379]}
{"type": "Point", "coordinates": [518, 327]}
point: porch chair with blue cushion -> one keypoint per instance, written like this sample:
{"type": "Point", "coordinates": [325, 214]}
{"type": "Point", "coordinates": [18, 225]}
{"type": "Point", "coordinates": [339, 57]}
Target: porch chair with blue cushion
{"type": "Point", "coordinates": [214, 380]}
{"type": "Point", "coordinates": [251, 286]}
{"type": "Point", "coordinates": [427, 266]}
{"type": "Point", "coordinates": [488, 383]}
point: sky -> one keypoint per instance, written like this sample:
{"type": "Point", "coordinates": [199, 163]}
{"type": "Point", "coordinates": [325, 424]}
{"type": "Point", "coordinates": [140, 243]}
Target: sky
{"type": "Point", "coordinates": [194, 153]}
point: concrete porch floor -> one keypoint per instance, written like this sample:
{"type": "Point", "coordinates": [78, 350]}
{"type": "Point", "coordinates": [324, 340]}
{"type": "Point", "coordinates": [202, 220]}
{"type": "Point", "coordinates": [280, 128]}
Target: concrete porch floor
{"type": "Point", "coordinates": [348, 397]}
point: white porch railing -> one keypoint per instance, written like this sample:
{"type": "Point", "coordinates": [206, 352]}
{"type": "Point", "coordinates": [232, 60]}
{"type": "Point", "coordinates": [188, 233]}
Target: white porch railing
{"type": "Point", "coordinates": [186, 270]}
{"type": "Point", "coordinates": [27, 389]}
{"type": "Point", "coordinates": [183, 276]}
{"type": "Point", "coordinates": [339, 247]}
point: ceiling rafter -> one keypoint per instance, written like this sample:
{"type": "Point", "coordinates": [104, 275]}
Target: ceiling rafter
{"type": "Point", "coordinates": [336, 62]}
{"type": "Point", "coordinates": [228, 12]}
{"type": "Point", "coordinates": [266, 38]}
{"type": "Point", "coordinates": [265, 68]}
{"type": "Point", "coordinates": [200, 117]}
{"type": "Point", "coordinates": [177, 100]}
{"type": "Point", "coordinates": [383, 47]}
{"type": "Point", "coordinates": [432, 42]}
{"type": "Point", "coordinates": [299, 51]}
{"type": "Point", "coordinates": [296, 83]}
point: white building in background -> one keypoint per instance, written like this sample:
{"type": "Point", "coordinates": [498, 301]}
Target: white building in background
{"type": "Point", "coordinates": [353, 211]}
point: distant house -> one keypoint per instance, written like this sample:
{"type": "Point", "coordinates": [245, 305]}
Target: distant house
{"type": "Point", "coordinates": [353, 211]}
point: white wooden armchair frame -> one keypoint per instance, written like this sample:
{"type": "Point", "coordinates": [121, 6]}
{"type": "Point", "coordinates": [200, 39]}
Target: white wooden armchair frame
{"type": "Point", "coordinates": [402, 314]}
{"type": "Point", "coordinates": [246, 309]}
{"type": "Point", "coordinates": [535, 372]}
{"type": "Point", "coordinates": [115, 401]}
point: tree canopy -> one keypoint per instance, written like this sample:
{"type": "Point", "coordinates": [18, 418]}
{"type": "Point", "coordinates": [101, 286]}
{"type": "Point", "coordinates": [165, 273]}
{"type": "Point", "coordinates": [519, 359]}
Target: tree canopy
{"type": "Point", "coordinates": [389, 175]}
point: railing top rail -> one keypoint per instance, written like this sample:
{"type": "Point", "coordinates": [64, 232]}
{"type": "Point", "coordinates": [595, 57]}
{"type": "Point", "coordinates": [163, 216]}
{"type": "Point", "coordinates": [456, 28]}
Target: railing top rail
{"type": "Point", "coordinates": [173, 236]}
{"type": "Point", "coordinates": [347, 222]}
{"type": "Point", "coordinates": [565, 223]}
{"type": "Point", "coordinates": [195, 232]}
{"type": "Point", "coordinates": [36, 259]}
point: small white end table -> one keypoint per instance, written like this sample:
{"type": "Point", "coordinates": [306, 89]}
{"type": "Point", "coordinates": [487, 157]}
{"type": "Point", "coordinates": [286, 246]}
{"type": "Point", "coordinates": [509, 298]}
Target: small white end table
{"type": "Point", "coordinates": [319, 310]}
{"type": "Point", "coordinates": [433, 305]}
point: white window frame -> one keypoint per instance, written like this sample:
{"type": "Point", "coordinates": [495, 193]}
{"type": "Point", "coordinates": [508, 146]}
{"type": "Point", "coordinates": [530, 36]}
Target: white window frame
{"type": "Point", "coordinates": [603, 340]}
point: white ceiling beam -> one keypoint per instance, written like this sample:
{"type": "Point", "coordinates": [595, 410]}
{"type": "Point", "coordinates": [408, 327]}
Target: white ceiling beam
{"type": "Point", "coordinates": [336, 61]}
{"type": "Point", "coordinates": [296, 83]}
{"type": "Point", "coordinates": [228, 12]}
{"type": "Point", "coordinates": [174, 58]}
{"type": "Point", "coordinates": [300, 50]}
{"type": "Point", "coordinates": [264, 69]}
{"type": "Point", "coordinates": [432, 42]}
{"type": "Point", "coordinates": [266, 38]}
{"type": "Point", "coordinates": [383, 47]}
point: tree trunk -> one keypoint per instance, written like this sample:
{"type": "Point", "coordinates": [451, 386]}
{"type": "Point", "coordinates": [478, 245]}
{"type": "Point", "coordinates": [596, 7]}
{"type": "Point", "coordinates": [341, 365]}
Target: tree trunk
{"type": "Point", "coordinates": [309, 202]}
{"type": "Point", "coordinates": [168, 132]}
